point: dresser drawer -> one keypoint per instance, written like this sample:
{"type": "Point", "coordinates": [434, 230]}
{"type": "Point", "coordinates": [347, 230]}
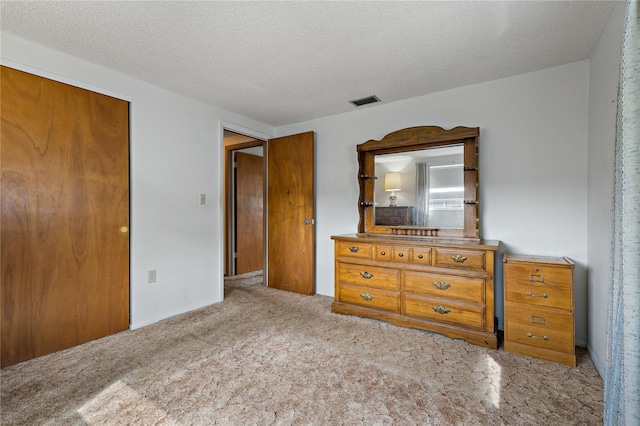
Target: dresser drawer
{"type": "Point", "coordinates": [369, 276]}
{"type": "Point", "coordinates": [370, 297]}
{"type": "Point", "coordinates": [401, 254]}
{"type": "Point", "coordinates": [463, 259]}
{"type": "Point", "coordinates": [446, 286]}
{"type": "Point", "coordinates": [383, 252]}
{"type": "Point", "coordinates": [357, 250]}
{"type": "Point", "coordinates": [421, 256]}
{"type": "Point", "coordinates": [541, 328]}
{"type": "Point", "coordinates": [444, 311]}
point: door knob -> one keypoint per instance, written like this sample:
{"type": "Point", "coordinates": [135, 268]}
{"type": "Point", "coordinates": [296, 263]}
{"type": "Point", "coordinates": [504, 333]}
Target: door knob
{"type": "Point", "coordinates": [124, 229]}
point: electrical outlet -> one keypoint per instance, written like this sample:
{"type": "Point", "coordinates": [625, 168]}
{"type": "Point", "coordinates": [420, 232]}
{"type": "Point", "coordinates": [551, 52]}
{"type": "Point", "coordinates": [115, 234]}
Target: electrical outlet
{"type": "Point", "coordinates": [203, 199]}
{"type": "Point", "coordinates": [152, 276]}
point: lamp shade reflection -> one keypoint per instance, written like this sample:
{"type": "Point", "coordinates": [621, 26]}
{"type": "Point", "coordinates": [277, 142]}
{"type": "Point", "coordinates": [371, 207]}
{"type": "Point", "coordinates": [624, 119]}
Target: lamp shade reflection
{"type": "Point", "coordinates": [392, 182]}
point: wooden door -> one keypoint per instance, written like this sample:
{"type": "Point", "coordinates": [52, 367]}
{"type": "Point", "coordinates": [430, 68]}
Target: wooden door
{"type": "Point", "coordinates": [291, 213]}
{"type": "Point", "coordinates": [249, 212]}
{"type": "Point", "coordinates": [64, 216]}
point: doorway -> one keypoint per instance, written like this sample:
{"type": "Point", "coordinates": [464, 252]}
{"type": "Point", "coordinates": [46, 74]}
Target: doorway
{"type": "Point", "coordinates": [288, 209]}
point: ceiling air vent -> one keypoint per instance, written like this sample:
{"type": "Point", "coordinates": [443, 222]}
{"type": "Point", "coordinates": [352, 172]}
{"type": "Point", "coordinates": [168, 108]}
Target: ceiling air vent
{"type": "Point", "coordinates": [364, 101]}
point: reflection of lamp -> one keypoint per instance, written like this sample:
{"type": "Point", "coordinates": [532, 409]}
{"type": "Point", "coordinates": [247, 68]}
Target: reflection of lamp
{"type": "Point", "coordinates": [392, 183]}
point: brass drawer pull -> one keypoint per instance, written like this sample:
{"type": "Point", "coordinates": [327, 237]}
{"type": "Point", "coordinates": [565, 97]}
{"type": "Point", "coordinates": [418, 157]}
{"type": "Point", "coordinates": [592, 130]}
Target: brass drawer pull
{"type": "Point", "coordinates": [441, 285]}
{"type": "Point", "coordinates": [420, 256]}
{"type": "Point", "coordinates": [366, 275]}
{"type": "Point", "coordinates": [441, 309]}
{"type": "Point", "coordinates": [353, 249]}
{"type": "Point", "coordinates": [531, 336]}
{"type": "Point", "coordinates": [366, 296]}
{"type": "Point", "coordinates": [400, 254]}
{"type": "Point", "coordinates": [458, 258]}
{"type": "Point", "coordinates": [382, 253]}
{"type": "Point", "coordinates": [536, 278]}
{"type": "Point", "coordinates": [543, 295]}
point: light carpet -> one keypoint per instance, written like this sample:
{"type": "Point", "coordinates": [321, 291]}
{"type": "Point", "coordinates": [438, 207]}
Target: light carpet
{"type": "Point", "coordinates": [265, 356]}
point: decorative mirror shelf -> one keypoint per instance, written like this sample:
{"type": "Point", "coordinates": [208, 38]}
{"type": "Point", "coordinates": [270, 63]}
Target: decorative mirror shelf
{"type": "Point", "coordinates": [420, 182]}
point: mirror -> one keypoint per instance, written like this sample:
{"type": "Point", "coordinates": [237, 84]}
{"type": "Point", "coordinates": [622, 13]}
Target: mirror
{"type": "Point", "coordinates": [428, 186]}
{"type": "Point", "coordinates": [420, 181]}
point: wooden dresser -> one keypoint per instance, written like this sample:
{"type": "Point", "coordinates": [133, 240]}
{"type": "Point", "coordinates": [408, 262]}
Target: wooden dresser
{"type": "Point", "coordinates": [394, 216]}
{"type": "Point", "coordinates": [438, 285]}
{"type": "Point", "coordinates": [538, 307]}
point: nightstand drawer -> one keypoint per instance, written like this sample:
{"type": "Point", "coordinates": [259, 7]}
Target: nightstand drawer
{"type": "Point", "coordinates": [539, 274]}
{"type": "Point", "coordinates": [446, 286]}
{"type": "Point", "coordinates": [460, 259]}
{"type": "Point", "coordinates": [370, 297]}
{"type": "Point", "coordinates": [538, 294]}
{"type": "Point", "coordinates": [356, 250]}
{"type": "Point", "coordinates": [541, 328]}
{"type": "Point", "coordinates": [444, 311]}
{"type": "Point", "coordinates": [539, 281]}
{"type": "Point", "coordinates": [369, 276]}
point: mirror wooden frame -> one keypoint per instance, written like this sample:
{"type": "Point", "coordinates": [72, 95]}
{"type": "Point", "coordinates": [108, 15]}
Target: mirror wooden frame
{"type": "Point", "coordinates": [413, 139]}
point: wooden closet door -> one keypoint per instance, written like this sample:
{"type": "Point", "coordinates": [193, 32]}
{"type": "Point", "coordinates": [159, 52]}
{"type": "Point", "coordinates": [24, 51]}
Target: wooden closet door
{"type": "Point", "coordinates": [64, 236]}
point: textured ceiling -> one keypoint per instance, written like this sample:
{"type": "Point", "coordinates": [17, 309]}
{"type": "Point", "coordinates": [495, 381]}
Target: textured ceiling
{"type": "Point", "coordinates": [286, 62]}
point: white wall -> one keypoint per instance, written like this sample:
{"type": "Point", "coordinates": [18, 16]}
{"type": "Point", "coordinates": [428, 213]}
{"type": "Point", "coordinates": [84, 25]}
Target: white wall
{"type": "Point", "coordinates": [176, 146]}
{"type": "Point", "coordinates": [604, 76]}
{"type": "Point", "coordinates": [533, 165]}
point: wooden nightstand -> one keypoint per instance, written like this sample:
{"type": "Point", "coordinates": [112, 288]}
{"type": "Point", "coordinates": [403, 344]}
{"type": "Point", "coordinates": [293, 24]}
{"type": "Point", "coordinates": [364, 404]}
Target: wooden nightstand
{"type": "Point", "coordinates": [539, 307]}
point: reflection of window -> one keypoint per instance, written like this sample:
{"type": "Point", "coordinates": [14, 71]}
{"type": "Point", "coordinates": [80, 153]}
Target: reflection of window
{"type": "Point", "coordinates": [446, 187]}
{"type": "Point", "coordinates": [446, 204]}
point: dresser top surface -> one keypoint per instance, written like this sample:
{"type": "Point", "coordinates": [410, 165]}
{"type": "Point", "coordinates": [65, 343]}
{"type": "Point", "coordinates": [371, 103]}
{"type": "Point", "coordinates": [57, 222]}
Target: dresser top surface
{"type": "Point", "coordinates": [548, 260]}
{"type": "Point", "coordinates": [435, 242]}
